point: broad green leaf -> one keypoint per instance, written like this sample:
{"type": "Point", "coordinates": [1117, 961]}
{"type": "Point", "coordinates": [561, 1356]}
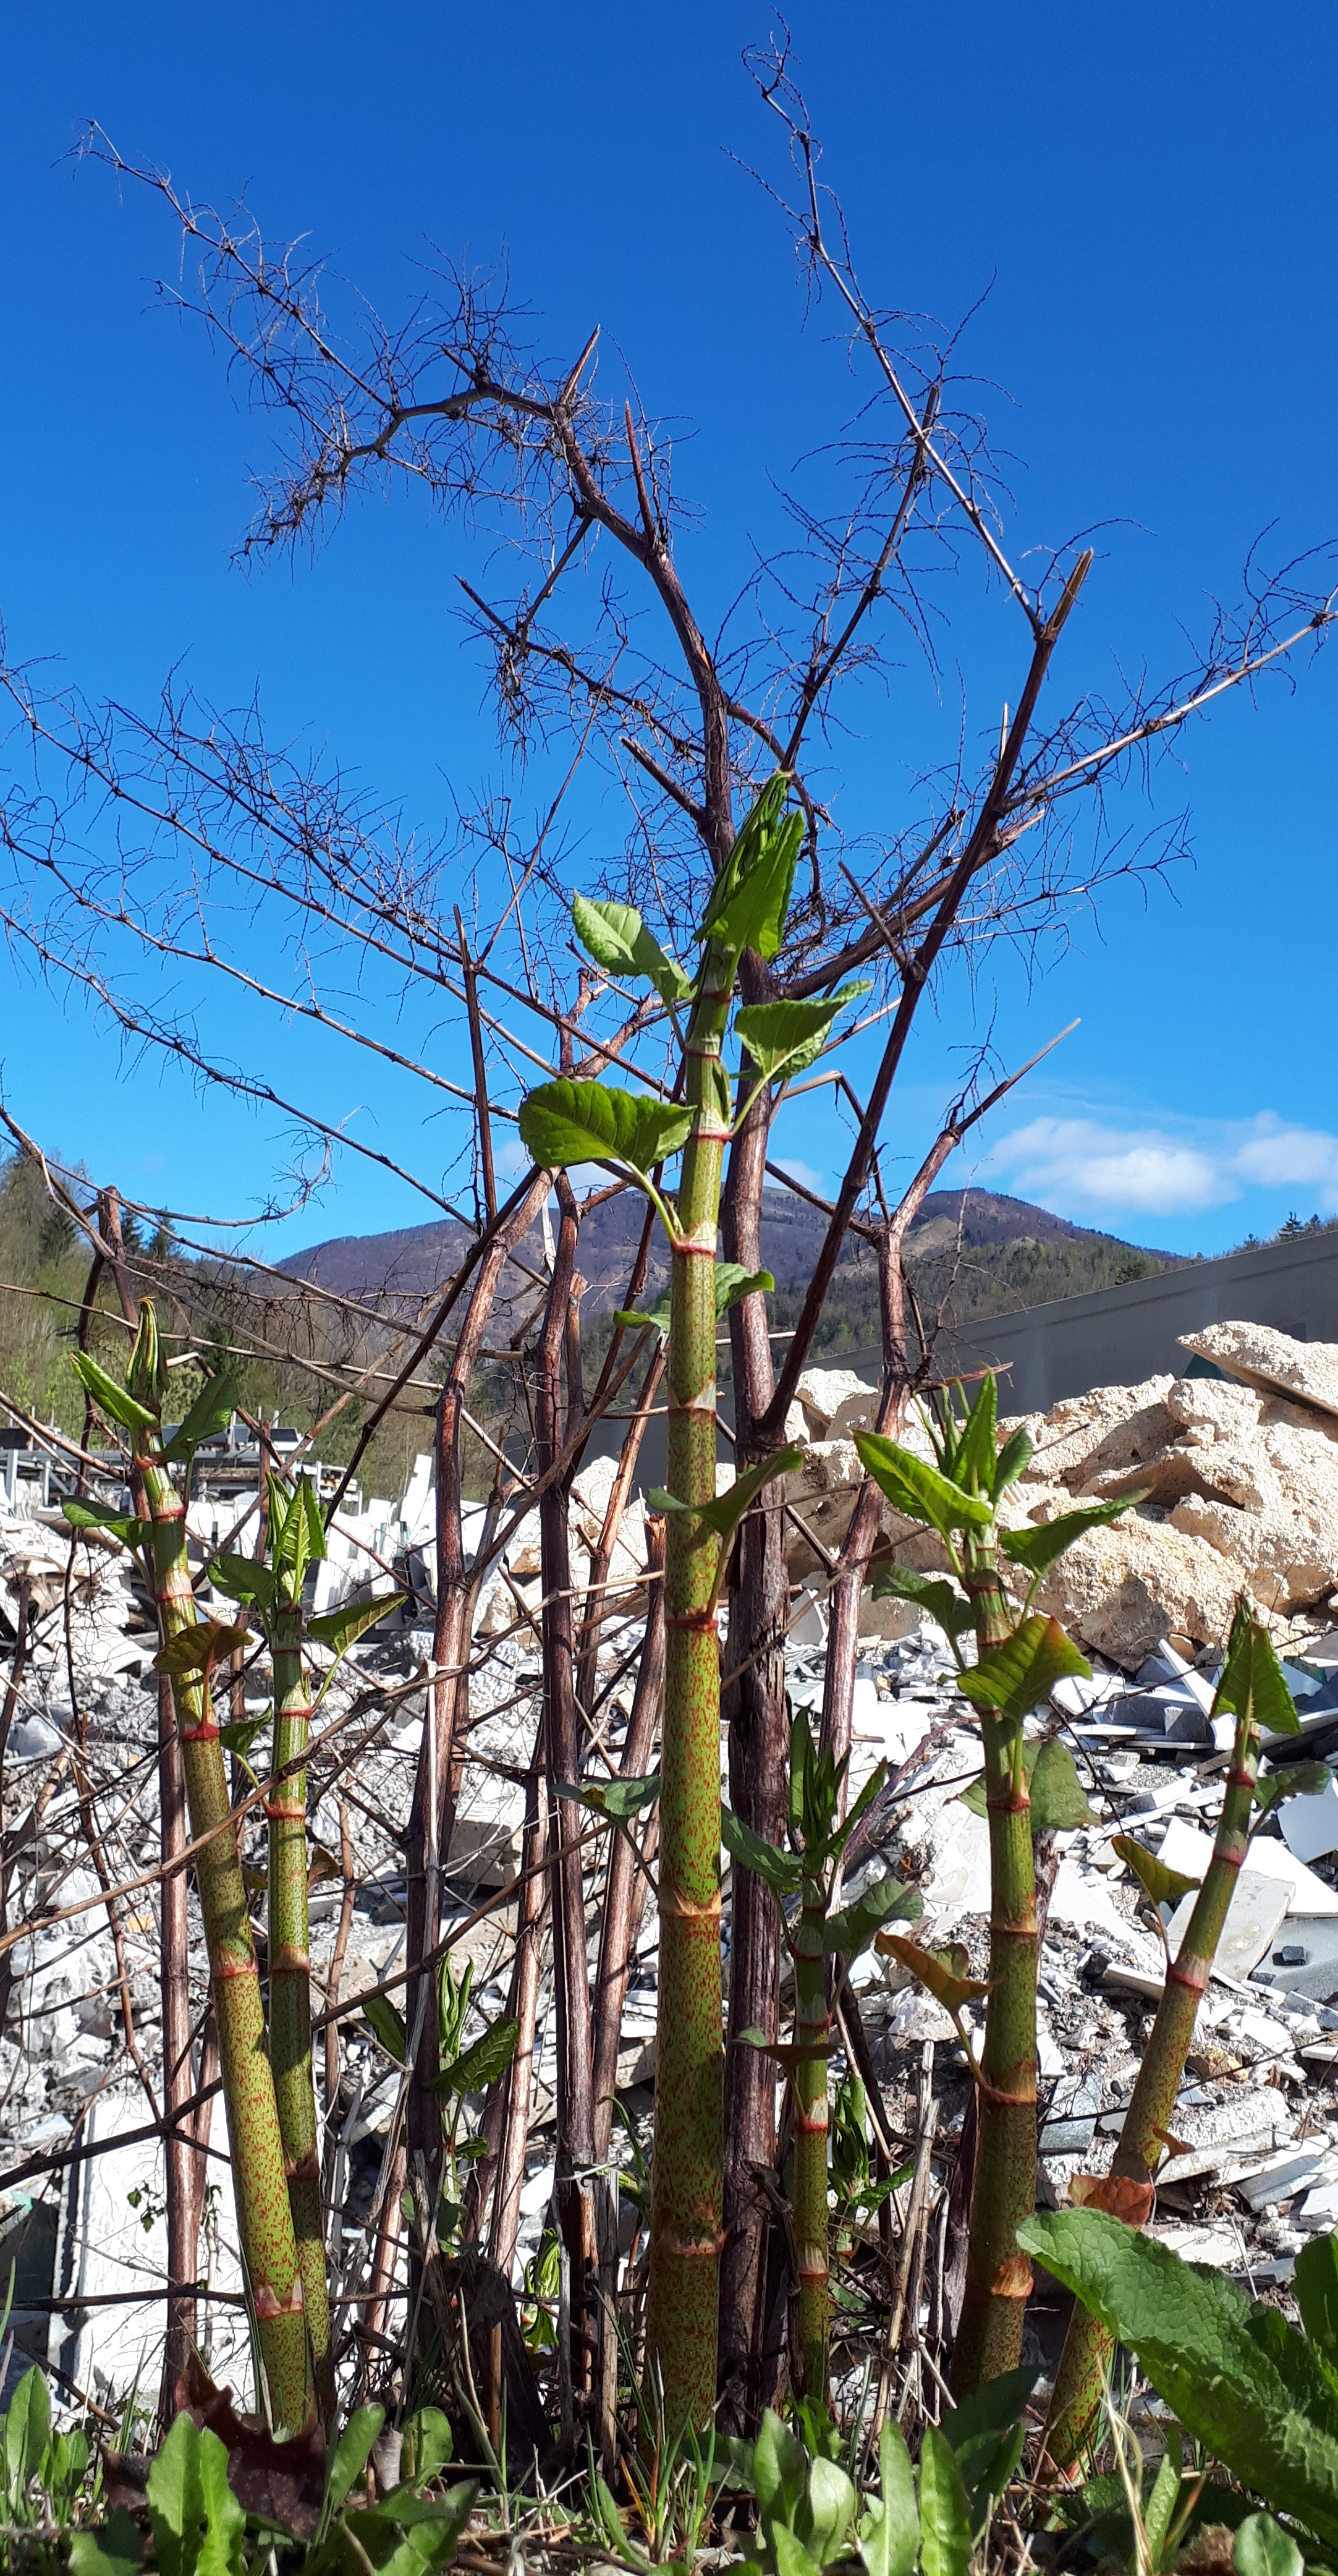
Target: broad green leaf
{"type": "Point", "coordinates": [240, 1735]}
{"type": "Point", "coordinates": [27, 2429]}
{"type": "Point", "coordinates": [726, 1512]}
{"type": "Point", "coordinates": [938, 1971]}
{"type": "Point", "coordinates": [1161, 2504]}
{"type": "Point", "coordinates": [942, 1600]}
{"type": "Point", "coordinates": [1309, 2382]}
{"type": "Point", "coordinates": [977, 1454]}
{"type": "Point", "coordinates": [480, 2065]}
{"type": "Point", "coordinates": [340, 1629]}
{"type": "Point", "coordinates": [387, 2025]}
{"type": "Point", "coordinates": [751, 896]}
{"type": "Point", "coordinates": [792, 2559]}
{"type": "Point", "coordinates": [350, 2455]}
{"type": "Point", "coordinates": [243, 1578]}
{"type": "Point", "coordinates": [1058, 1800]}
{"type": "Point", "coordinates": [211, 1411]}
{"type": "Point", "coordinates": [428, 2444]}
{"type": "Point", "coordinates": [832, 2506]}
{"type": "Point", "coordinates": [985, 2434]}
{"type": "Point", "coordinates": [888, 1901]}
{"type": "Point", "coordinates": [612, 1797]}
{"type": "Point", "coordinates": [1189, 2328]}
{"type": "Point", "coordinates": [782, 1871]}
{"type": "Point", "coordinates": [110, 1398]}
{"type": "Point", "coordinates": [1015, 1456]}
{"type": "Point", "coordinates": [197, 1649]}
{"type": "Point", "coordinates": [1037, 1546]}
{"type": "Point", "coordinates": [1252, 1683]}
{"type": "Point", "coordinates": [1164, 1886]}
{"type": "Point", "coordinates": [732, 1282]}
{"type": "Point", "coordinates": [1296, 1780]}
{"type": "Point", "coordinates": [114, 2549]}
{"type": "Point", "coordinates": [1016, 1677]}
{"type": "Point", "coordinates": [133, 1534]}
{"type": "Point", "coordinates": [889, 2535]}
{"type": "Point", "coordinates": [615, 935]}
{"type": "Point", "coordinates": [1262, 2548]}
{"type": "Point", "coordinates": [196, 2520]}
{"type": "Point", "coordinates": [945, 2521]}
{"type": "Point", "coordinates": [566, 1122]}
{"type": "Point", "coordinates": [1316, 2287]}
{"type": "Point", "coordinates": [780, 2471]}
{"type": "Point", "coordinates": [917, 1490]}
{"type": "Point", "coordinates": [789, 1036]}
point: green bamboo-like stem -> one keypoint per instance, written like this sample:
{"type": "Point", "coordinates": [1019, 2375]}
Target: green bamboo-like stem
{"type": "Point", "coordinates": [682, 2311]}
{"type": "Point", "coordinates": [1075, 2407]}
{"type": "Point", "coordinates": [290, 1983]}
{"type": "Point", "coordinates": [998, 2274]}
{"type": "Point", "coordinates": [260, 2189]}
{"type": "Point", "coordinates": [811, 2029]}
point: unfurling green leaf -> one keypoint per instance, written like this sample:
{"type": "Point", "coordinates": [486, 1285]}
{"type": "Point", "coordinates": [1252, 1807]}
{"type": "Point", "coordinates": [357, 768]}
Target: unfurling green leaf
{"type": "Point", "coordinates": [917, 1490]}
{"type": "Point", "coordinates": [1164, 1886]}
{"type": "Point", "coordinates": [751, 896]}
{"type": "Point", "coordinates": [145, 1374]}
{"type": "Point", "coordinates": [482, 2063]}
{"type": "Point", "coordinates": [732, 1282]}
{"type": "Point", "coordinates": [198, 1648]}
{"type": "Point", "coordinates": [340, 1629]}
{"type": "Point", "coordinates": [1252, 1685]}
{"type": "Point", "coordinates": [1058, 1800]}
{"type": "Point", "coordinates": [852, 1929]}
{"type": "Point", "coordinates": [787, 1037]}
{"type": "Point", "coordinates": [239, 1737]}
{"type": "Point", "coordinates": [1014, 1678]}
{"type": "Point", "coordinates": [1297, 1780]}
{"type": "Point", "coordinates": [941, 1599]}
{"type": "Point", "coordinates": [566, 1122]}
{"type": "Point", "coordinates": [111, 1399]}
{"type": "Point", "coordinates": [213, 1408]}
{"type": "Point", "coordinates": [940, 1972]}
{"type": "Point", "coordinates": [86, 1516]}
{"type": "Point", "coordinates": [243, 1578]}
{"type": "Point", "coordinates": [726, 1512]}
{"type": "Point", "coordinates": [611, 1797]}
{"type": "Point", "coordinates": [386, 2024]}
{"type": "Point", "coordinates": [615, 935]}
{"type": "Point", "coordinates": [782, 1871]}
{"type": "Point", "coordinates": [1038, 1544]}
{"type": "Point", "coordinates": [975, 1456]}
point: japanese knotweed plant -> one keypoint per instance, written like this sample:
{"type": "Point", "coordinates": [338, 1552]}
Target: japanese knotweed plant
{"type": "Point", "coordinates": [565, 1123]}
{"type": "Point", "coordinates": [1253, 1691]}
{"type": "Point", "coordinates": [804, 1880]}
{"type": "Point", "coordinates": [1019, 1656]}
{"type": "Point", "coordinates": [272, 1591]}
{"type": "Point", "coordinates": [190, 1647]}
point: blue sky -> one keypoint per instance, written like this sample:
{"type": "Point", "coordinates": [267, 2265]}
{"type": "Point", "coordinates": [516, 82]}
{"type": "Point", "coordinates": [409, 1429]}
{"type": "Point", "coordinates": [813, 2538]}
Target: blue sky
{"type": "Point", "coordinates": [1143, 201]}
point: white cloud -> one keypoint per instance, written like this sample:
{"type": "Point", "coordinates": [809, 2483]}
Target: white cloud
{"type": "Point", "coordinates": [1157, 1171]}
{"type": "Point", "coordinates": [802, 1171]}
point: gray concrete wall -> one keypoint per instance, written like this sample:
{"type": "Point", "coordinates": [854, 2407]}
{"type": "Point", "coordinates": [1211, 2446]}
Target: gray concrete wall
{"type": "Point", "coordinates": [1117, 1336]}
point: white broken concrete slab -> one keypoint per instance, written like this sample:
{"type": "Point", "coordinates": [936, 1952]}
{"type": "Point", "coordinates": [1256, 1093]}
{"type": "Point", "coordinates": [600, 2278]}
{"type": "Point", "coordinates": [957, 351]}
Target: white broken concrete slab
{"type": "Point", "coordinates": [1189, 1851]}
{"type": "Point", "coordinates": [1310, 1825]}
{"type": "Point", "coordinates": [1258, 1904]}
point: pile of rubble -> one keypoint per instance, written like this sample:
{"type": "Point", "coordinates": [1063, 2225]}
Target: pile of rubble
{"type": "Point", "coordinates": [1237, 1464]}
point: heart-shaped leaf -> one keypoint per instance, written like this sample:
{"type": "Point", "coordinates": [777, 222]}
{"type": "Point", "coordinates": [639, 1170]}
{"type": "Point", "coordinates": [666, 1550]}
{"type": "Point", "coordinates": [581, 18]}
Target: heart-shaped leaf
{"type": "Point", "coordinates": [1018, 1676]}
{"type": "Point", "coordinates": [90, 1516]}
{"type": "Point", "coordinates": [615, 935]}
{"type": "Point", "coordinates": [565, 1123]}
{"type": "Point", "coordinates": [1039, 1544]}
{"type": "Point", "coordinates": [787, 1037]}
{"type": "Point", "coordinates": [942, 1600]}
{"type": "Point", "coordinates": [940, 1972]}
{"type": "Point", "coordinates": [917, 1490]}
{"type": "Point", "coordinates": [1164, 1886]}
{"type": "Point", "coordinates": [1252, 1684]}
{"type": "Point", "coordinates": [782, 1871]}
